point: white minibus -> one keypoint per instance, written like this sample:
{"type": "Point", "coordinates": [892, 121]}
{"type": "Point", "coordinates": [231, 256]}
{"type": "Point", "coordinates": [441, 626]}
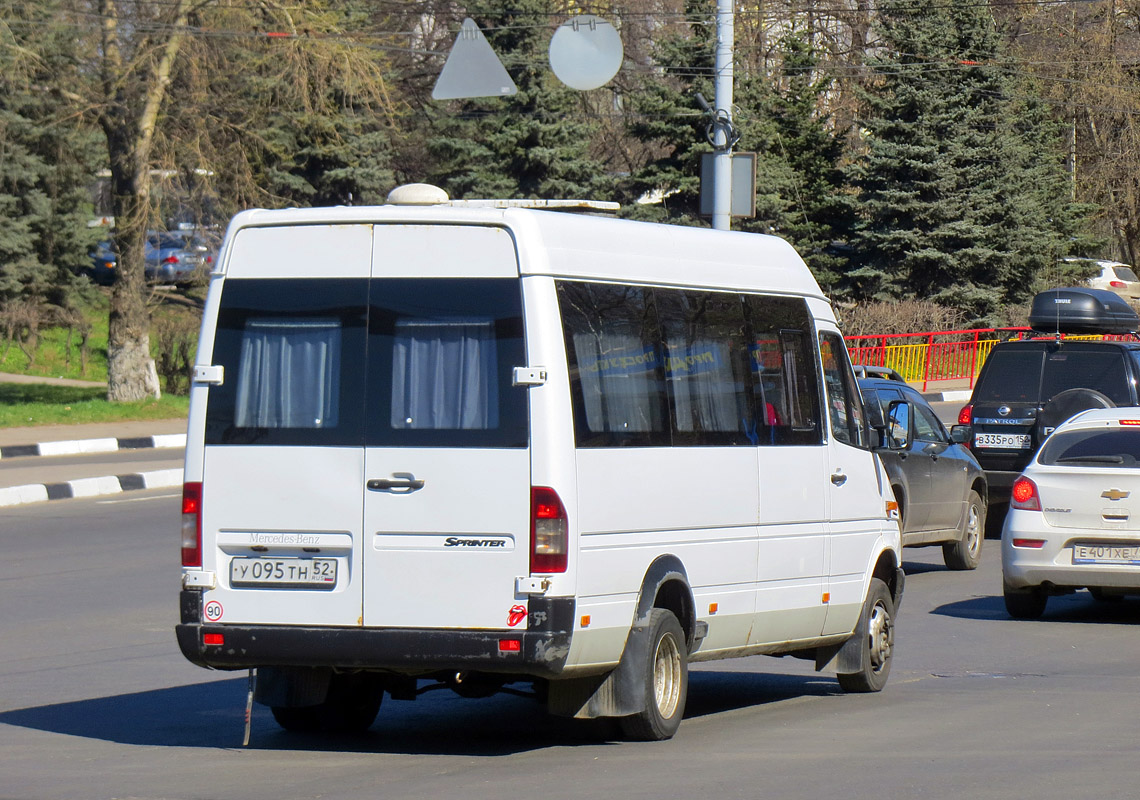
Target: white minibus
{"type": "Point", "coordinates": [478, 444]}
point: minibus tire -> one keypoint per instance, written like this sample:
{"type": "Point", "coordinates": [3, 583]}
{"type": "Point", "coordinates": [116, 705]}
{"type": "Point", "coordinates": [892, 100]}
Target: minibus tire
{"type": "Point", "coordinates": [351, 706]}
{"type": "Point", "coordinates": [298, 719]}
{"type": "Point", "coordinates": [666, 681]}
{"type": "Point", "coordinates": [876, 632]}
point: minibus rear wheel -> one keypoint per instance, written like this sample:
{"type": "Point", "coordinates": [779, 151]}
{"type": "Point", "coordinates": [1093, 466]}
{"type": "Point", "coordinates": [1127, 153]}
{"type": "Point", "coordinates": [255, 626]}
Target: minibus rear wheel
{"type": "Point", "coordinates": [351, 706]}
{"type": "Point", "coordinates": [666, 681]}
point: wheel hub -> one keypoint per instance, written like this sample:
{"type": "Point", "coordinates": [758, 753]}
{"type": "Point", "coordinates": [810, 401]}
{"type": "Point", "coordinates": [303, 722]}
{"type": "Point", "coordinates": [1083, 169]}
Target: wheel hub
{"type": "Point", "coordinates": [667, 676]}
{"type": "Point", "coordinates": [880, 629]}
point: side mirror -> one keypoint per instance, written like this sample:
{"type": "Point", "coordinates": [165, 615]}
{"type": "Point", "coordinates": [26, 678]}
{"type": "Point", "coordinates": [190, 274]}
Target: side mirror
{"type": "Point", "coordinates": [898, 425]}
{"type": "Point", "coordinates": [962, 434]}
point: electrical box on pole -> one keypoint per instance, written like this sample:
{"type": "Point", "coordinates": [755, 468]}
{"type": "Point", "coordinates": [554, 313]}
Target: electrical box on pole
{"type": "Point", "coordinates": [743, 200]}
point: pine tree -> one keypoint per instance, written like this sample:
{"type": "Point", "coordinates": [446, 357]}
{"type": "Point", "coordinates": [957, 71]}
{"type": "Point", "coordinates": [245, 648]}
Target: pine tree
{"type": "Point", "coordinates": [667, 116]}
{"type": "Point", "coordinates": [801, 190]}
{"type": "Point", "coordinates": [535, 143]}
{"type": "Point", "coordinates": [47, 166]}
{"type": "Point", "coordinates": [954, 186]}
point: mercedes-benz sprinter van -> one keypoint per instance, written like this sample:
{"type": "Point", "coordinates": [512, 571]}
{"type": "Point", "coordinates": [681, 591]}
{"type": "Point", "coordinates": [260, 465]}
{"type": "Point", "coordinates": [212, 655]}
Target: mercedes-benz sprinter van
{"type": "Point", "coordinates": [480, 444]}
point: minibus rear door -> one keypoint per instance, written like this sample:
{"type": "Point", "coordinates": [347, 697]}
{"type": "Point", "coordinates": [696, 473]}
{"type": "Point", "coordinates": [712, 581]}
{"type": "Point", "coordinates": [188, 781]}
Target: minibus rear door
{"type": "Point", "coordinates": [447, 462]}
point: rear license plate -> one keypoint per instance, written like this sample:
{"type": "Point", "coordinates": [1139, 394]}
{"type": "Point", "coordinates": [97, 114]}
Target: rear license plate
{"type": "Point", "coordinates": [279, 573]}
{"type": "Point", "coordinates": [1105, 554]}
{"type": "Point", "coordinates": [1015, 441]}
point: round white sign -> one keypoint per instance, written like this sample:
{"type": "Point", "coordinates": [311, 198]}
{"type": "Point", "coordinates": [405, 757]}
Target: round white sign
{"type": "Point", "coordinates": [585, 52]}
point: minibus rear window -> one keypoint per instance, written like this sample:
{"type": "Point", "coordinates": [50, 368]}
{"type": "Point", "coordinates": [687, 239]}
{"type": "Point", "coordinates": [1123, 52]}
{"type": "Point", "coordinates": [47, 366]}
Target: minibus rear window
{"type": "Point", "coordinates": [441, 353]}
{"type": "Point", "coordinates": [384, 362]}
{"type": "Point", "coordinates": [290, 352]}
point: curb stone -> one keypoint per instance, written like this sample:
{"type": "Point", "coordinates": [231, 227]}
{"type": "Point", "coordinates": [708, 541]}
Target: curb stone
{"type": "Point", "coordinates": [81, 446]}
{"type": "Point", "coordinates": [90, 487]}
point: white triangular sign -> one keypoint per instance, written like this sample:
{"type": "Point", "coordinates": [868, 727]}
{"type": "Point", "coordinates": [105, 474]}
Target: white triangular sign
{"type": "Point", "coordinates": [472, 69]}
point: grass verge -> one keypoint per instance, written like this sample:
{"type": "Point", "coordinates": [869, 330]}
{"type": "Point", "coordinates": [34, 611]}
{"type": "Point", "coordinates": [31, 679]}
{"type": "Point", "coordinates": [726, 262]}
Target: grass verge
{"type": "Point", "coordinates": [29, 404]}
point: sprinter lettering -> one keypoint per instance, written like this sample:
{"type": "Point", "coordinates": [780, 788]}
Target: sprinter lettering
{"type": "Point", "coordinates": [455, 541]}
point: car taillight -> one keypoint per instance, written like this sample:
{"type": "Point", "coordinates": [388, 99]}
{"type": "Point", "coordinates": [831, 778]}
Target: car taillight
{"type": "Point", "coordinates": [1117, 284]}
{"type": "Point", "coordinates": [966, 415]}
{"type": "Point", "coordinates": [1024, 495]}
{"type": "Point", "coordinates": [192, 524]}
{"type": "Point", "coordinates": [548, 531]}
{"type": "Point", "coordinates": [170, 260]}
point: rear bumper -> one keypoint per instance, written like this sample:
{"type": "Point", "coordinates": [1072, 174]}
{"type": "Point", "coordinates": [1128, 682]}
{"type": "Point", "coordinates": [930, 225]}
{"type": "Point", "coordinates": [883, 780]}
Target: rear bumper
{"type": "Point", "coordinates": [1052, 565]}
{"type": "Point", "coordinates": [541, 652]}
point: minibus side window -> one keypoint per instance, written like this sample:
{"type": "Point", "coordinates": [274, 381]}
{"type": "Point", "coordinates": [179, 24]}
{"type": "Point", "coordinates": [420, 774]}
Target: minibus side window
{"type": "Point", "coordinates": [616, 365]}
{"type": "Point", "coordinates": [843, 404]}
{"type": "Point", "coordinates": [707, 374]}
{"type": "Point", "coordinates": [785, 379]}
{"type": "Point", "coordinates": [290, 351]}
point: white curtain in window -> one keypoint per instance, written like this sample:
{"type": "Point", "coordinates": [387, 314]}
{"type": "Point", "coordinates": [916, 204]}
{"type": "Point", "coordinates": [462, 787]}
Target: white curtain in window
{"type": "Point", "coordinates": [445, 375]}
{"type": "Point", "coordinates": [704, 391]}
{"type": "Point", "coordinates": [618, 375]}
{"type": "Point", "coordinates": [288, 376]}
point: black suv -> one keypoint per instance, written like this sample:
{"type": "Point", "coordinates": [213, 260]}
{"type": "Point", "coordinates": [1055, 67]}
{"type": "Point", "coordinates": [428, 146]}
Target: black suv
{"type": "Point", "coordinates": [1027, 388]}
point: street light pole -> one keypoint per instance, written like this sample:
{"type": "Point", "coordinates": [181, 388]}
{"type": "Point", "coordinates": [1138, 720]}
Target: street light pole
{"type": "Point", "coordinates": [722, 144]}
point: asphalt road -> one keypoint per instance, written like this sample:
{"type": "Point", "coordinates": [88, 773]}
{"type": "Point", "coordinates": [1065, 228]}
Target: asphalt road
{"type": "Point", "coordinates": [97, 702]}
{"type": "Point", "coordinates": [53, 469]}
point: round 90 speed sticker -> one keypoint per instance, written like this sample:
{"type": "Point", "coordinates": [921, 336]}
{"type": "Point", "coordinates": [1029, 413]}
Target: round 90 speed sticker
{"type": "Point", "coordinates": [213, 611]}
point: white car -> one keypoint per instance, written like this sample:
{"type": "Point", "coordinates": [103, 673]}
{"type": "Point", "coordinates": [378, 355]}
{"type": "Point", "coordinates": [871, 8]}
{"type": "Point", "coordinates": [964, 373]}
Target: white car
{"type": "Point", "coordinates": [1118, 278]}
{"type": "Point", "coordinates": [1074, 514]}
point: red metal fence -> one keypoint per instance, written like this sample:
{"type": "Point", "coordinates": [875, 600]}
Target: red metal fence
{"type": "Point", "coordinates": [930, 356]}
{"type": "Point", "coordinates": [935, 355]}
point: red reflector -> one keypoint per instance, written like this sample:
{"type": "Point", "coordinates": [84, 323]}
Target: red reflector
{"type": "Point", "coordinates": [510, 646]}
{"type": "Point", "coordinates": [1036, 544]}
{"type": "Point", "coordinates": [966, 415]}
{"type": "Point", "coordinates": [213, 638]}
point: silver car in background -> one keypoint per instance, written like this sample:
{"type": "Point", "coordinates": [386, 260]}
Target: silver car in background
{"type": "Point", "coordinates": [178, 257]}
{"type": "Point", "coordinates": [1074, 514]}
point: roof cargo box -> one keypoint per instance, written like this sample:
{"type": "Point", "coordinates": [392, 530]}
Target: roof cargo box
{"type": "Point", "coordinates": [1077, 310]}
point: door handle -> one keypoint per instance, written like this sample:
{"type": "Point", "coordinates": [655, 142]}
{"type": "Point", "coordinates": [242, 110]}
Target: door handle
{"type": "Point", "coordinates": [838, 478]}
{"type": "Point", "coordinates": [407, 483]}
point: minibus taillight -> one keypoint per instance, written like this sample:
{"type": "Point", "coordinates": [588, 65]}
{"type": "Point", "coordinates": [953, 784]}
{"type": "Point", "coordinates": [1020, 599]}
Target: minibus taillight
{"type": "Point", "coordinates": [192, 524]}
{"type": "Point", "coordinates": [548, 531]}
